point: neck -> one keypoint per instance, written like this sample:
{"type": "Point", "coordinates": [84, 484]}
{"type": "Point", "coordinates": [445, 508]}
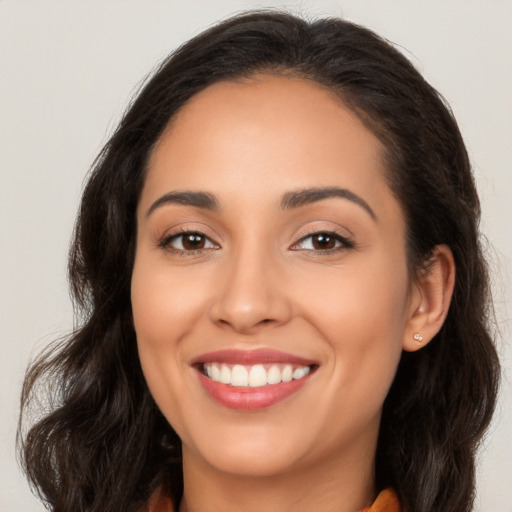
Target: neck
{"type": "Point", "coordinates": [332, 486]}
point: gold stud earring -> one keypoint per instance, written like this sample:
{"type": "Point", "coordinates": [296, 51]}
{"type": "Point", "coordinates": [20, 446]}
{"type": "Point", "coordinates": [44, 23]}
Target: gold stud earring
{"type": "Point", "coordinates": [418, 337]}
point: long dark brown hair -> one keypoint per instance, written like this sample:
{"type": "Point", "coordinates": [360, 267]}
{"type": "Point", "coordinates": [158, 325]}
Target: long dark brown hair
{"type": "Point", "coordinates": [100, 444]}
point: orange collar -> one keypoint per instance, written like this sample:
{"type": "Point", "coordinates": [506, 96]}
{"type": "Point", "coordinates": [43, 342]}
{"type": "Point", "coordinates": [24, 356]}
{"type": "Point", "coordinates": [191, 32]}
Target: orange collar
{"type": "Point", "coordinates": [387, 501]}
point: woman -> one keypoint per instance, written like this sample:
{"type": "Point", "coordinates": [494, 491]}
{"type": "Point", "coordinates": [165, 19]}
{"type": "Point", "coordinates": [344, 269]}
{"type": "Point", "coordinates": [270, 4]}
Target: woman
{"type": "Point", "coordinates": [285, 302]}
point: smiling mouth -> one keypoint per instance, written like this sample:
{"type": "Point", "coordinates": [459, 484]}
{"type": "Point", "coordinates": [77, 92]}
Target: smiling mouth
{"type": "Point", "coordinates": [251, 380]}
{"type": "Point", "coordinates": [254, 376]}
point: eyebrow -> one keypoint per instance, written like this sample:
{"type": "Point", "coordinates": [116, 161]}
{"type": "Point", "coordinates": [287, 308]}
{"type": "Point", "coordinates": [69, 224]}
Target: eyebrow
{"type": "Point", "coordinates": [290, 200]}
{"type": "Point", "coordinates": [197, 199]}
{"type": "Point", "coordinates": [298, 198]}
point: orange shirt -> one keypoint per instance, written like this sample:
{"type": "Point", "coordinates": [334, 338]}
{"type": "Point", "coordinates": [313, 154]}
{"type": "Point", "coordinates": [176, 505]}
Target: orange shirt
{"type": "Point", "coordinates": [386, 501]}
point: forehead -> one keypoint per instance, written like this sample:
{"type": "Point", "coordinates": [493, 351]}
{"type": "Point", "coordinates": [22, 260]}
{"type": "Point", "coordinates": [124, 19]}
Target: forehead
{"type": "Point", "coordinates": [268, 134]}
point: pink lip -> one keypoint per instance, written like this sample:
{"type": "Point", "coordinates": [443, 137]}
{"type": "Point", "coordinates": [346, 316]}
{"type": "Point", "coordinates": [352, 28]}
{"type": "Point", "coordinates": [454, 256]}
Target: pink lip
{"type": "Point", "coordinates": [250, 399]}
{"type": "Point", "coordinates": [249, 357]}
{"type": "Point", "coordinates": [247, 398]}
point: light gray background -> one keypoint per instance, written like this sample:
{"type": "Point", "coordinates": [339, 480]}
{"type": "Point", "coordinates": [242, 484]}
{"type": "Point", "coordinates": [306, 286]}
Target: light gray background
{"type": "Point", "coordinates": [69, 67]}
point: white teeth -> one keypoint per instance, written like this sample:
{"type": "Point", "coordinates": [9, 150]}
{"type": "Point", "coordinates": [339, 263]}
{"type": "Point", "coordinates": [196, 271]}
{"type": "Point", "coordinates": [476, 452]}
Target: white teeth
{"type": "Point", "coordinates": [274, 375]}
{"type": "Point", "coordinates": [239, 376]}
{"type": "Point", "coordinates": [257, 376]}
{"type": "Point", "coordinates": [287, 373]}
{"type": "Point", "coordinates": [298, 373]}
{"type": "Point", "coordinates": [254, 376]}
{"type": "Point", "coordinates": [225, 375]}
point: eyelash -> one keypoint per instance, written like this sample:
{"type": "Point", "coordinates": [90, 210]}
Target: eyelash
{"type": "Point", "coordinates": [165, 243]}
{"type": "Point", "coordinates": [343, 242]}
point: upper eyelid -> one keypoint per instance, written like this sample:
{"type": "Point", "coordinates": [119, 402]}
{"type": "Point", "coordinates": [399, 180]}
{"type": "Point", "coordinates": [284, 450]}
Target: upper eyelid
{"type": "Point", "coordinates": [184, 230]}
{"type": "Point", "coordinates": [343, 233]}
{"type": "Point", "coordinates": [165, 242]}
{"type": "Point", "coordinates": [323, 224]}
{"type": "Point", "coordinates": [344, 239]}
{"type": "Point", "coordinates": [317, 231]}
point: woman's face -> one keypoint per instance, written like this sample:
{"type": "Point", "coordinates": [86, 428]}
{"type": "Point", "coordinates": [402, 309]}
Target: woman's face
{"type": "Point", "coordinates": [270, 248]}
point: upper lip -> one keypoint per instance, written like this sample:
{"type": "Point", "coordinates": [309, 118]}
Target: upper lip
{"type": "Point", "coordinates": [250, 357]}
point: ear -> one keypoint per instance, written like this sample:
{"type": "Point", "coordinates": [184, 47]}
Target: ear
{"type": "Point", "coordinates": [431, 295]}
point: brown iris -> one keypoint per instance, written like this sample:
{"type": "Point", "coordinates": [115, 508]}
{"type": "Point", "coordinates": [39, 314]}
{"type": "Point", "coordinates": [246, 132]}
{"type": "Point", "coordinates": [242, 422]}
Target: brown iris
{"type": "Point", "coordinates": [192, 241]}
{"type": "Point", "coordinates": [323, 241]}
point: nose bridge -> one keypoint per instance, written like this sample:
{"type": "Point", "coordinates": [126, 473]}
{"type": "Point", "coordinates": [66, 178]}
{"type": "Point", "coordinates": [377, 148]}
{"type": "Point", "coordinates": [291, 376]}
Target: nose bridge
{"type": "Point", "coordinates": [251, 293]}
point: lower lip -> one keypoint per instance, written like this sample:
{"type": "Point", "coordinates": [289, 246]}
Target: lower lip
{"type": "Point", "coordinates": [247, 398]}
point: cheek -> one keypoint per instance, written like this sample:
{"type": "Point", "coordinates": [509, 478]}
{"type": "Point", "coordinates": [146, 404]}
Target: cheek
{"type": "Point", "coordinates": [164, 311]}
{"type": "Point", "coordinates": [165, 304]}
{"type": "Point", "coordinates": [361, 312]}
{"type": "Point", "coordinates": [367, 300]}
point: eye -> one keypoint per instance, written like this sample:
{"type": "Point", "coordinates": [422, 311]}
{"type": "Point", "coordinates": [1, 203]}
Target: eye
{"type": "Point", "coordinates": [188, 241]}
{"type": "Point", "coordinates": [322, 241]}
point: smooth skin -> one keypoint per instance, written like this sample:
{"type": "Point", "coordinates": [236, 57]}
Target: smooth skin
{"type": "Point", "coordinates": [326, 280]}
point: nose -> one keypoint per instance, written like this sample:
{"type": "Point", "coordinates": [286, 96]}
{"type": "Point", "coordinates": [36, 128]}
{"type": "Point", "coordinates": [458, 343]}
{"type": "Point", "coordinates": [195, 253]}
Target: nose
{"type": "Point", "coordinates": [251, 295]}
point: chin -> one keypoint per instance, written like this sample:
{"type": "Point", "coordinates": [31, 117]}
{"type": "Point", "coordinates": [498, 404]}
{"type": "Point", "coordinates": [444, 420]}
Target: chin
{"type": "Point", "coordinates": [250, 456]}
{"type": "Point", "coordinates": [255, 465]}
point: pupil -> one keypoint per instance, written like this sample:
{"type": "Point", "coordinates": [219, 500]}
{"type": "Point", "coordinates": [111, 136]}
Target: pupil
{"type": "Point", "coordinates": [193, 241]}
{"type": "Point", "coordinates": [323, 241]}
